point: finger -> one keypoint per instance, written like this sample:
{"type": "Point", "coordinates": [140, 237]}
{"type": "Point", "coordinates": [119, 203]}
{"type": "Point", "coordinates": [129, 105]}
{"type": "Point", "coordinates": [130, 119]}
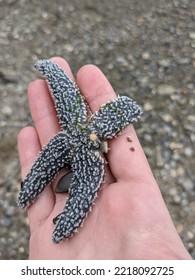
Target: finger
{"type": "Point", "coordinates": [126, 159]}
{"type": "Point", "coordinates": [42, 111]}
{"type": "Point", "coordinates": [28, 148]}
{"type": "Point", "coordinates": [94, 86]}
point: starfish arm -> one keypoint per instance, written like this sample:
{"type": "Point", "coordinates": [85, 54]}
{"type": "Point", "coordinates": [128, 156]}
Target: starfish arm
{"type": "Point", "coordinates": [70, 106]}
{"type": "Point", "coordinates": [88, 173]}
{"type": "Point", "coordinates": [53, 157]}
{"type": "Point", "coordinates": [114, 116]}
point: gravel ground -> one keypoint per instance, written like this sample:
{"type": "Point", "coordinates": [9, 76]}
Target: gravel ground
{"type": "Point", "coordinates": [146, 49]}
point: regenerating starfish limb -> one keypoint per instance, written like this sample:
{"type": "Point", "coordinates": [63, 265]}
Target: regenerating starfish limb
{"type": "Point", "coordinates": [114, 116]}
{"type": "Point", "coordinates": [78, 146]}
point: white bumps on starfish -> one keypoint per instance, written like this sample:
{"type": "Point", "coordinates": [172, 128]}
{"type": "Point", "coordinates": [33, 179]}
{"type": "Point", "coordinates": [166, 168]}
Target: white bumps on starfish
{"type": "Point", "coordinates": [77, 146]}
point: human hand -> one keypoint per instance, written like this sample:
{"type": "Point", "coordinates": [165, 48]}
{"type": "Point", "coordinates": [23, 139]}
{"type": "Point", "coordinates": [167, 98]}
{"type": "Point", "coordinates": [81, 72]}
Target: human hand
{"type": "Point", "coordinates": [129, 219]}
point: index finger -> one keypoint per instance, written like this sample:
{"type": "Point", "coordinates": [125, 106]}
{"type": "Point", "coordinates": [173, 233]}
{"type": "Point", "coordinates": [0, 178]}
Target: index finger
{"type": "Point", "coordinates": [126, 159]}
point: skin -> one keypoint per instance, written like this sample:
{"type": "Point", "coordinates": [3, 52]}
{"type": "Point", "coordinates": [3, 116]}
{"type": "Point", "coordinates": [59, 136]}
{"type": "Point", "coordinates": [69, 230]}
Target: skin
{"type": "Point", "coordinates": [129, 219]}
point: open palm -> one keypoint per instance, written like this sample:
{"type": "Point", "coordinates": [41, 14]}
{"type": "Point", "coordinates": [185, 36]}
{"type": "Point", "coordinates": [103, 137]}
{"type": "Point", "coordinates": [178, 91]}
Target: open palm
{"type": "Point", "coordinates": [129, 219]}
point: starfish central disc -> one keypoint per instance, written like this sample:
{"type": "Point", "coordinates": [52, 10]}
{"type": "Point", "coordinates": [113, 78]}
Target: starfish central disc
{"type": "Point", "coordinates": [93, 137]}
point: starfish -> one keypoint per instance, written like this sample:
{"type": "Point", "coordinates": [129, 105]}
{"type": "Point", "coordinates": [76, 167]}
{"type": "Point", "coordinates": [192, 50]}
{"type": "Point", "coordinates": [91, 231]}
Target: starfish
{"type": "Point", "coordinates": [79, 145]}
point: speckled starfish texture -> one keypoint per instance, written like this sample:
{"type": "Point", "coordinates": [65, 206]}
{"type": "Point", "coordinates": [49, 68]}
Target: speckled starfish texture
{"type": "Point", "coordinates": [77, 146]}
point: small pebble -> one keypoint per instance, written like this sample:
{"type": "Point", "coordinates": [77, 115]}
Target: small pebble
{"type": "Point", "coordinates": [179, 228]}
{"type": "Point", "coordinates": [177, 199]}
{"type": "Point", "coordinates": [129, 139]}
{"type": "Point", "coordinates": [69, 48]}
{"type": "Point", "coordinates": [145, 56]}
{"type": "Point", "coordinates": [164, 63]}
{"type": "Point", "coordinates": [21, 250]}
{"type": "Point", "coordinates": [64, 183]}
{"type": "Point", "coordinates": [187, 184]}
{"type": "Point", "coordinates": [190, 245]}
{"type": "Point", "coordinates": [166, 90]}
{"type": "Point", "coordinates": [147, 106]}
{"type": "Point", "coordinates": [190, 235]}
{"type": "Point", "coordinates": [192, 35]}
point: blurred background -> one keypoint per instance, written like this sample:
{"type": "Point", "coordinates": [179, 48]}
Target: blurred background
{"type": "Point", "coordinates": [147, 51]}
